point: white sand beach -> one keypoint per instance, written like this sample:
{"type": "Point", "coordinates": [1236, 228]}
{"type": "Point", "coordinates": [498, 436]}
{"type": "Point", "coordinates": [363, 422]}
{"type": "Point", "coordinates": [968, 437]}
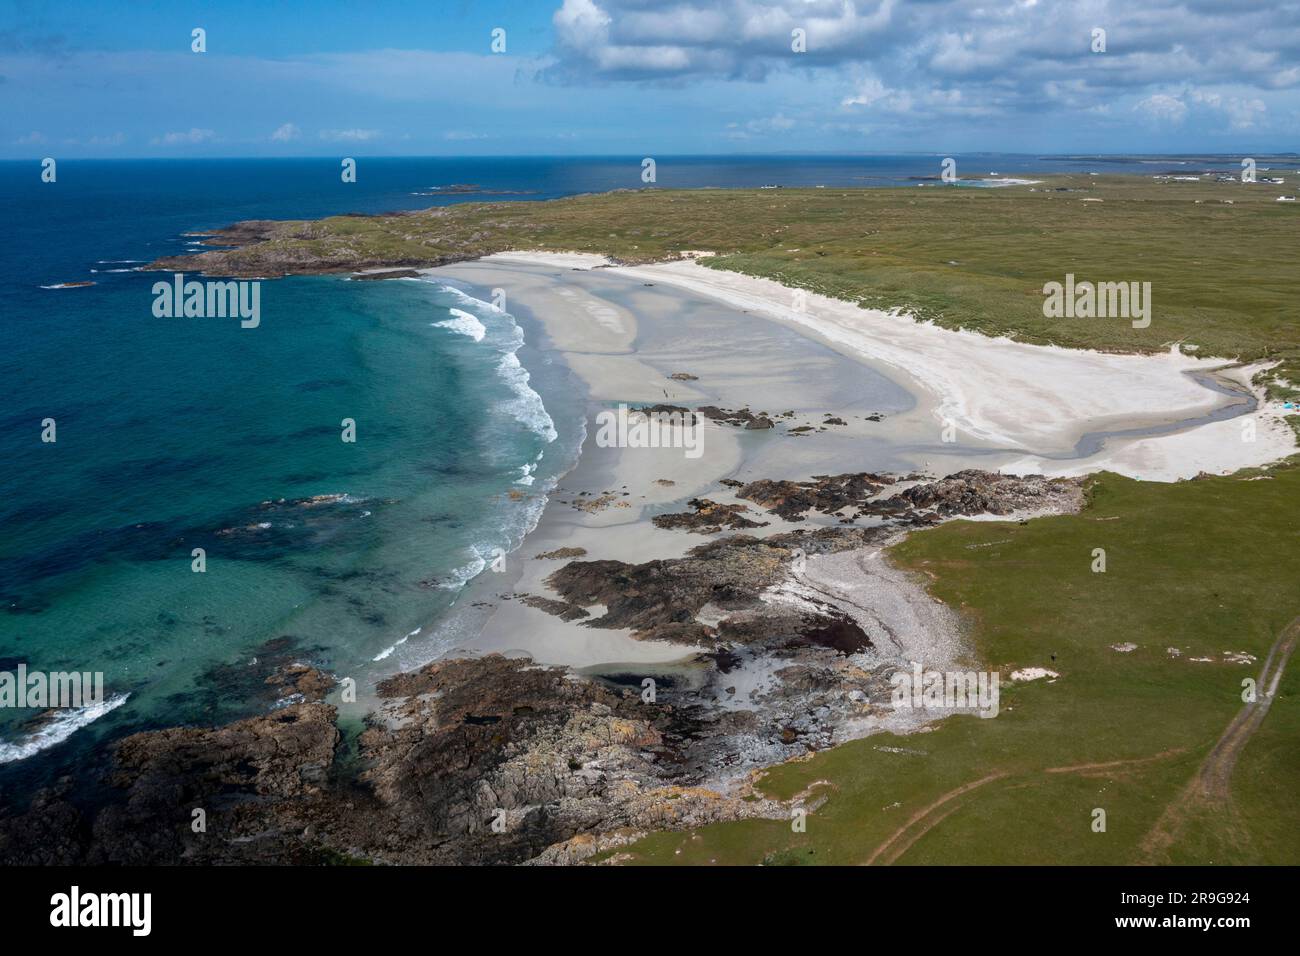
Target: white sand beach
{"type": "Point", "coordinates": [1039, 398]}
{"type": "Point", "coordinates": [626, 330]}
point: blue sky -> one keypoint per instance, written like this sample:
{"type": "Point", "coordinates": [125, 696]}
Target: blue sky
{"type": "Point", "coordinates": [646, 77]}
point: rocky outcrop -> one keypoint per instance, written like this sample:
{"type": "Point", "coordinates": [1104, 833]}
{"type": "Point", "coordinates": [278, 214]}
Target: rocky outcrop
{"type": "Point", "coordinates": [662, 599]}
{"type": "Point", "coordinates": [560, 553]}
{"type": "Point", "coordinates": [828, 494]}
{"type": "Point", "coordinates": [561, 609]}
{"type": "Point", "coordinates": [975, 492]}
{"type": "Point", "coordinates": [708, 517]}
{"type": "Point", "coordinates": [386, 274]}
{"type": "Point", "coordinates": [741, 418]}
{"type": "Point", "coordinates": [472, 760]}
{"type": "Point", "coordinates": [297, 682]}
{"type": "Point", "coordinates": [968, 492]}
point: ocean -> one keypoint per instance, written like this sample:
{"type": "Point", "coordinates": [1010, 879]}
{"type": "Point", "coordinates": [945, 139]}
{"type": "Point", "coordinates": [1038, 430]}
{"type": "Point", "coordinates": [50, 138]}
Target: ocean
{"type": "Point", "coordinates": [175, 434]}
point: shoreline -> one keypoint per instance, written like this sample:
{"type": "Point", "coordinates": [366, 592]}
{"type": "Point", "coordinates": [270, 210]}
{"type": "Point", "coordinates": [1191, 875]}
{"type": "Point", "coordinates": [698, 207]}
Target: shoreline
{"type": "Point", "coordinates": [600, 349]}
{"type": "Point", "coordinates": [596, 339]}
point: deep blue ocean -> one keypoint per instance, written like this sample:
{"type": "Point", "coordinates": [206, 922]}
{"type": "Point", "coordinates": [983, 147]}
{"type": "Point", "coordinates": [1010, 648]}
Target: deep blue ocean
{"type": "Point", "coordinates": [181, 433]}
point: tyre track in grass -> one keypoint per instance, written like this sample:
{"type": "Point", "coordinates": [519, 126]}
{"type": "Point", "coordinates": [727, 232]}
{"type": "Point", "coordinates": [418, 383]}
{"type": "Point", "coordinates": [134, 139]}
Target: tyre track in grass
{"type": "Point", "coordinates": [929, 817]}
{"type": "Point", "coordinates": [1211, 787]}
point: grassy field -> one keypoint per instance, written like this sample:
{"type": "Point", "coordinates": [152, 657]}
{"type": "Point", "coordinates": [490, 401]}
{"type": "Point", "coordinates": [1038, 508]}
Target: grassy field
{"type": "Point", "coordinates": [1206, 566]}
{"type": "Point", "coordinates": [1220, 256]}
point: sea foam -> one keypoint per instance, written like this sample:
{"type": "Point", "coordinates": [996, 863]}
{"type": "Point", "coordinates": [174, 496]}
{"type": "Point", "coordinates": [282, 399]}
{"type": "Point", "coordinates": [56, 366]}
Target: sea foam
{"type": "Point", "coordinates": [62, 725]}
{"type": "Point", "coordinates": [465, 324]}
{"type": "Point", "coordinates": [527, 406]}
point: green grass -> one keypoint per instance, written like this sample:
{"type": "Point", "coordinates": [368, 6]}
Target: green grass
{"type": "Point", "coordinates": [1205, 566]}
{"type": "Point", "coordinates": [1223, 276]}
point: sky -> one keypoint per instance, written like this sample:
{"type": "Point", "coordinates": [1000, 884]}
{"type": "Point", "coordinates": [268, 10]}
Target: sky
{"type": "Point", "coordinates": [120, 78]}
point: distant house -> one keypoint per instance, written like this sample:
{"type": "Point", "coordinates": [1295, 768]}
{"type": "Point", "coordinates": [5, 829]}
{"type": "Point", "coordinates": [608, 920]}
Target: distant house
{"type": "Point", "coordinates": [1286, 198]}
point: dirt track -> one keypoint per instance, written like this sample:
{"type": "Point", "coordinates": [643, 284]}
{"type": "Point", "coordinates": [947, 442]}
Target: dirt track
{"type": "Point", "coordinates": [1210, 785]}
{"type": "Point", "coordinates": [1210, 788]}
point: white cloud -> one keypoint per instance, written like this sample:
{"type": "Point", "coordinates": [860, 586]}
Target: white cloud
{"type": "Point", "coordinates": [112, 139]}
{"type": "Point", "coordinates": [1241, 113]}
{"type": "Point", "coordinates": [942, 59]}
{"type": "Point", "coordinates": [286, 133]}
{"type": "Point", "coordinates": [33, 138]}
{"type": "Point", "coordinates": [192, 137]}
{"type": "Point", "coordinates": [1163, 108]}
{"type": "Point", "coordinates": [780, 123]}
{"type": "Point", "coordinates": [870, 91]}
{"type": "Point", "coordinates": [349, 135]}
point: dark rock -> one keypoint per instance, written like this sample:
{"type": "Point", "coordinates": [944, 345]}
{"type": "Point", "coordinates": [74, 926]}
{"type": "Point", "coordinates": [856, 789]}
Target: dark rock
{"type": "Point", "coordinates": [973, 492]}
{"type": "Point", "coordinates": [709, 517]}
{"type": "Point", "coordinates": [386, 274]}
{"type": "Point", "coordinates": [560, 553]}
{"type": "Point", "coordinates": [561, 609]}
{"type": "Point", "coordinates": [827, 494]}
{"type": "Point", "coordinates": [741, 418]}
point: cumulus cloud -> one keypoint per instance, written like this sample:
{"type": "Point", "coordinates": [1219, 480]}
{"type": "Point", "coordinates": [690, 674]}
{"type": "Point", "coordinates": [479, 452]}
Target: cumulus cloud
{"type": "Point", "coordinates": [1163, 108]}
{"type": "Point", "coordinates": [286, 133]}
{"type": "Point", "coordinates": [1239, 112]}
{"type": "Point", "coordinates": [632, 39]}
{"type": "Point", "coordinates": [952, 57]}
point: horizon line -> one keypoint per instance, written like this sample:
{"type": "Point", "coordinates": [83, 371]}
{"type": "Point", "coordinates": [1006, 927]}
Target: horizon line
{"type": "Point", "coordinates": [622, 156]}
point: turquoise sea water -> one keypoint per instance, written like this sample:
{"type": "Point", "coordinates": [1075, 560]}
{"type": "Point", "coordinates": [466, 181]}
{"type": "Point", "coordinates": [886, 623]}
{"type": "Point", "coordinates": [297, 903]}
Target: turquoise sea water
{"type": "Point", "coordinates": [183, 433]}
{"type": "Point", "coordinates": [195, 433]}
